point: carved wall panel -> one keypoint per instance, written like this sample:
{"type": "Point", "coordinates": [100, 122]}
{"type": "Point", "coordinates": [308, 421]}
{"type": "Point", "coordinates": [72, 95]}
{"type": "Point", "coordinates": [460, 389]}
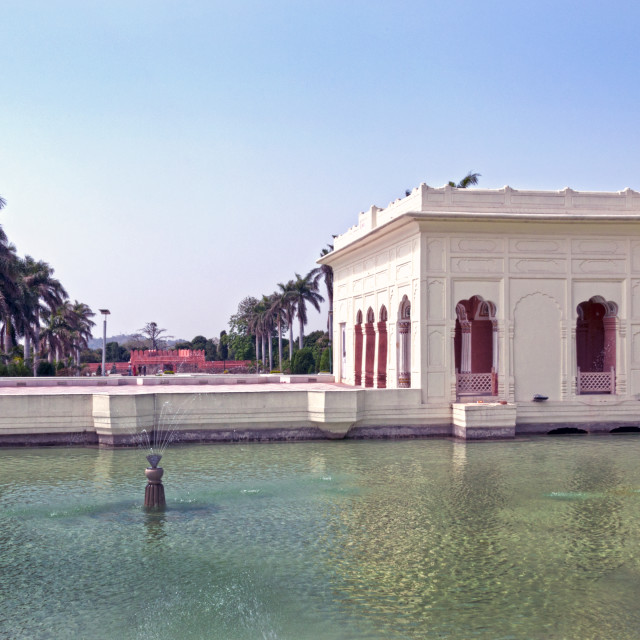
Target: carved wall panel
{"type": "Point", "coordinates": [435, 384]}
{"type": "Point", "coordinates": [382, 279]}
{"type": "Point", "coordinates": [369, 283]}
{"type": "Point", "coordinates": [477, 265]}
{"type": "Point", "coordinates": [403, 251]}
{"type": "Point", "coordinates": [634, 382]}
{"type": "Point", "coordinates": [435, 300]}
{"type": "Point", "coordinates": [357, 286]}
{"type": "Point", "coordinates": [537, 245]}
{"type": "Point", "coordinates": [635, 346]}
{"type": "Point", "coordinates": [369, 265]}
{"type": "Point", "coordinates": [341, 291]}
{"type": "Point", "coordinates": [595, 266]}
{"type": "Point", "coordinates": [403, 271]}
{"type": "Point", "coordinates": [594, 246]}
{"type": "Point", "coordinates": [382, 259]}
{"type": "Point", "coordinates": [477, 245]}
{"type": "Point", "coordinates": [538, 265]}
{"type": "Point", "coordinates": [435, 255]}
{"type": "Point", "coordinates": [635, 256]}
{"type": "Point", "coordinates": [436, 349]}
{"type": "Point", "coordinates": [635, 298]}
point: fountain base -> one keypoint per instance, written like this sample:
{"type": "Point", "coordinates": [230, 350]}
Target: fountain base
{"type": "Point", "coordinates": [154, 496]}
{"type": "Point", "coordinates": [154, 491]}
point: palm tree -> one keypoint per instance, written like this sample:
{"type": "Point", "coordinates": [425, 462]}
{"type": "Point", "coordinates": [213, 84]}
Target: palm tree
{"type": "Point", "coordinates": [10, 307]}
{"type": "Point", "coordinates": [279, 302]}
{"type": "Point", "coordinates": [325, 273]}
{"type": "Point", "coordinates": [289, 310]}
{"type": "Point", "coordinates": [79, 319]}
{"type": "Point", "coordinates": [470, 180]}
{"type": "Point", "coordinates": [305, 290]}
{"type": "Point", "coordinates": [56, 335]}
{"type": "Point", "coordinates": [42, 293]}
{"type": "Point", "coordinates": [265, 324]}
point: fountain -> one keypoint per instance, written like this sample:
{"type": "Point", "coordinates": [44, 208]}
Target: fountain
{"type": "Point", "coordinates": [154, 491]}
{"type": "Point", "coordinates": [157, 443]}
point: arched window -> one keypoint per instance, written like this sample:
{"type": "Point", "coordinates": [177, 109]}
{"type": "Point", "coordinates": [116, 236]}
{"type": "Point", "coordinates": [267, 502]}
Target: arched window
{"type": "Point", "coordinates": [596, 329]}
{"type": "Point", "coordinates": [476, 347]}
{"type": "Point", "coordinates": [404, 343]}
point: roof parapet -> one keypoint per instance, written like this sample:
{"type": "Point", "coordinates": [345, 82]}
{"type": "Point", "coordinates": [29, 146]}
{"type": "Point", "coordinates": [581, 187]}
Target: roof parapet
{"type": "Point", "coordinates": [452, 200]}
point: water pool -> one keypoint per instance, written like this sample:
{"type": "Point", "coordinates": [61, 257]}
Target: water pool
{"type": "Point", "coordinates": [345, 540]}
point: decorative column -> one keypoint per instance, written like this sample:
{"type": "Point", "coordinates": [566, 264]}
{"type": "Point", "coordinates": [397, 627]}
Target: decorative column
{"type": "Point", "coordinates": [404, 373]}
{"type": "Point", "coordinates": [382, 355]}
{"type": "Point", "coordinates": [358, 356]}
{"type": "Point", "coordinates": [494, 337]}
{"type": "Point", "coordinates": [370, 353]}
{"type": "Point", "coordinates": [465, 349]}
{"type": "Point", "coordinates": [610, 328]}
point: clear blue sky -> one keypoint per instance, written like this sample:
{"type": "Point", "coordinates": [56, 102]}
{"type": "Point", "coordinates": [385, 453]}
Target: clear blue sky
{"type": "Point", "coordinates": [169, 158]}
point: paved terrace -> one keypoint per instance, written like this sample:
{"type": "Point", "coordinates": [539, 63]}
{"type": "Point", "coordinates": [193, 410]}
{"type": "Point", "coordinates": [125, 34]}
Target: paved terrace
{"type": "Point", "coordinates": [175, 388]}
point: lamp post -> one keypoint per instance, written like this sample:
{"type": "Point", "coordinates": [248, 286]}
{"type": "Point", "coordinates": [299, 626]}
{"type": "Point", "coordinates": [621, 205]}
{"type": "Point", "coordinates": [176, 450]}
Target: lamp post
{"type": "Point", "coordinates": [105, 313]}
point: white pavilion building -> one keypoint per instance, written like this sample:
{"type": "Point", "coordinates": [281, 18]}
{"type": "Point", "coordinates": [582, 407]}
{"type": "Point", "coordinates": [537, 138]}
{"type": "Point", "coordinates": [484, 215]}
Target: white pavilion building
{"type": "Point", "coordinates": [498, 305]}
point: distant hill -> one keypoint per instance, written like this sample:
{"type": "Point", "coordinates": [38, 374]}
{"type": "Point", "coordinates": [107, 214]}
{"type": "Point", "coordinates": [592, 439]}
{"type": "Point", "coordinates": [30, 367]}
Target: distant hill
{"type": "Point", "coordinates": [96, 343]}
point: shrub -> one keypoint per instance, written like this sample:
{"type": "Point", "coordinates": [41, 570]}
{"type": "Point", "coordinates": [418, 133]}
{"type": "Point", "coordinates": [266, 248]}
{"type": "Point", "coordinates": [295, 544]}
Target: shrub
{"type": "Point", "coordinates": [303, 361]}
{"type": "Point", "coordinates": [45, 369]}
{"type": "Point", "coordinates": [18, 369]}
{"type": "Point", "coordinates": [325, 360]}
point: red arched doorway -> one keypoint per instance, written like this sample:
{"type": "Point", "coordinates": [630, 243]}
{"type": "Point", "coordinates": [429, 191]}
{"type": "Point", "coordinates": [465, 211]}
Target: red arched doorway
{"type": "Point", "coordinates": [476, 347]}
{"type": "Point", "coordinates": [596, 328]}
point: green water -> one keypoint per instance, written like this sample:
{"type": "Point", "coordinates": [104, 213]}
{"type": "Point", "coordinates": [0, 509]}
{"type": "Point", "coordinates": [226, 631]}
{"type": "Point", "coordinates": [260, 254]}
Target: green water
{"type": "Point", "coordinates": [415, 539]}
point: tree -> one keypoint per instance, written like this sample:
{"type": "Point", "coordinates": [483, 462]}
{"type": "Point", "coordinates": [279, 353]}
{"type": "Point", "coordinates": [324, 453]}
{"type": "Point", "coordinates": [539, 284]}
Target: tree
{"type": "Point", "coordinates": [279, 304]}
{"type": "Point", "coordinates": [470, 180]}
{"type": "Point", "coordinates": [223, 349]}
{"type": "Point", "coordinates": [305, 290]}
{"type": "Point", "coordinates": [42, 294]}
{"type": "Point", "coordinates": [324, 273]}
{"type": "Point", "coordinates": [211, 349]}
{"type": "Point", "coordinates": [79, 319]}
{"type": "Point", "coordinates": [199, 343]}
{"type": "Point", "coordinates": [303, 361]}
{"type": "Point", "coordinates": [289, 310]}
{"type": "Point", "coordinates": [154, 335]}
